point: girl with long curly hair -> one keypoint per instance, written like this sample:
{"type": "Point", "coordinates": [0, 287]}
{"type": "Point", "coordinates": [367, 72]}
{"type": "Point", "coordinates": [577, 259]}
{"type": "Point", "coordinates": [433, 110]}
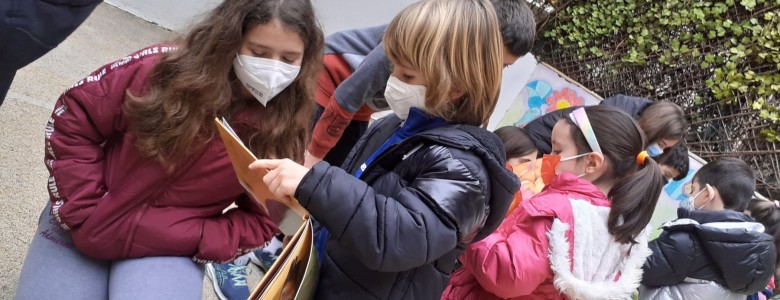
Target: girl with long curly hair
{"type": "Point", "coordinates": [139, 177]}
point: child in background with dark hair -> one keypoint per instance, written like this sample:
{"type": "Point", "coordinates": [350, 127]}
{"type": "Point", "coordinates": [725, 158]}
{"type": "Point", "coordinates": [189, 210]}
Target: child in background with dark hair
{"type": "Point", "coordinates": [517, 144]}
{"type": "Point", "coordinates": [520, 157]}
{"type": "Point", "coordinates": [714, 250]}
{"type": "Point", "coordinates": [768, 214]}
{"type": "Point", "coordinates": [597, 208]}
{"type": "Point", "coordinates": [674, 163]}
{"type": "Point", "coordinates": [352, 84]}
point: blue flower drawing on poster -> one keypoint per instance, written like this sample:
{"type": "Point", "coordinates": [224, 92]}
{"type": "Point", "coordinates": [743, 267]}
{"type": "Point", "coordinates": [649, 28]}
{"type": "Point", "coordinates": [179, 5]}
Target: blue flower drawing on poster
{"type": "Point", "coordinates": [538, 91]}
{"type": "Point", "coordinates": [545, 90]}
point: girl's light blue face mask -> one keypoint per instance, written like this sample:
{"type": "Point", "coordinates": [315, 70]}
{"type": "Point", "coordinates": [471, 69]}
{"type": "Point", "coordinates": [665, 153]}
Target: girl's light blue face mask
{"type": "Point", "coordinates": [654, 150]}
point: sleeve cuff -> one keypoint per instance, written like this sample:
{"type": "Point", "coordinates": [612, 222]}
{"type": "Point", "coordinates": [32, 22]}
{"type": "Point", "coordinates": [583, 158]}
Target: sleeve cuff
{"type": "Point", "coordinates": [310, 182]}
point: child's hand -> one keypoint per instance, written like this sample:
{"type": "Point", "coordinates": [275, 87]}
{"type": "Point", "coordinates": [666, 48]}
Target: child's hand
{"type": "Point", "coordinates": [283, 176]}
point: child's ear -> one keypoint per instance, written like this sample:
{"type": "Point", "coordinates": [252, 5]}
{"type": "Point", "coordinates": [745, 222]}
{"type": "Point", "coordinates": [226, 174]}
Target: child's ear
{"type": "Point", "coordinates": [594, 162]}
{"type": "Point", "coordinates": [712, 193]}
{"type": "Point", "coordinates": [456, 92]}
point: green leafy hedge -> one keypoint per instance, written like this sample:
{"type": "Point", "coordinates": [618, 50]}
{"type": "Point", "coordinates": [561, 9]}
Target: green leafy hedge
{"type": "Point", "coordinates": [740, 54]}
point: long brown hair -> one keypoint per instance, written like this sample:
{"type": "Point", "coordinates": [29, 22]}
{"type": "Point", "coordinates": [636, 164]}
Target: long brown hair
{"type": "Point", "coordinates": [768, 214]}
{"type": "Point", "coordinates": [194, 84]}
{"type": "Point", "coordinates": [635, 187]}
{"type": "Point", "coordinates": [663, 120]}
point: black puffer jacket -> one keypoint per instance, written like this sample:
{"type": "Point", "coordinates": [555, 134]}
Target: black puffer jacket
{"type": "Point", "coordinates": [540, 129]}
{"type": "Point", "coordinates": [396, 233]}
{"type": "Point", "coordinates": [724, 247]}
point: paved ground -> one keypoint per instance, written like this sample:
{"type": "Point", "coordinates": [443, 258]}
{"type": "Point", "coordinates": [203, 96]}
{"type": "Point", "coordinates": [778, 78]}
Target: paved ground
{"type": "Point", "coordinates": [107, 35]}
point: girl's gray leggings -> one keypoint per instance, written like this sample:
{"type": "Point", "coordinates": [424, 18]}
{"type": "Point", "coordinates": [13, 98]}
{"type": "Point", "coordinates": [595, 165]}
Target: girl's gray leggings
{"type": "Point", "coordinates": [55, 269]}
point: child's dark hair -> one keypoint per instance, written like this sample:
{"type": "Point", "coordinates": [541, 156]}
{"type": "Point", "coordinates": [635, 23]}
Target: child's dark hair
{"type": "Point", "coordinates": [733, 179]}
{"type": "Point", "coordinates": [518, 27]}
{"type": "Point", "coordinates": [677, 158]}
{"type": "Point", "coordinates": [516, 141]}
{"type": "Point", "coordinates": [768, 214]}
{"type": "Point", "coordinates": [635, 187]}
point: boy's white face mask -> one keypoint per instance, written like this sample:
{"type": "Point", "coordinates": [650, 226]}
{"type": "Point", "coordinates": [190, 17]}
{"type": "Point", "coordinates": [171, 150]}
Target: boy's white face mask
{"type": "Point", "coordinates": [264, 78]}
{"type": "Point", "coordinates": [401, 96]}
{"type": "Point", "coordinates": [690, 203]}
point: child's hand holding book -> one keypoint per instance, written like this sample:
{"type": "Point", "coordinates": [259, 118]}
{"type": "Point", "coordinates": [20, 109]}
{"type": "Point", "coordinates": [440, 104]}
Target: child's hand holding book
{"type": "Point", "coordinates": [283, 176]}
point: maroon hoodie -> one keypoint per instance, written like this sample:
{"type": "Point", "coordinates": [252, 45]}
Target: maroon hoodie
{"type": "Point", "coordinates": [119, 204]}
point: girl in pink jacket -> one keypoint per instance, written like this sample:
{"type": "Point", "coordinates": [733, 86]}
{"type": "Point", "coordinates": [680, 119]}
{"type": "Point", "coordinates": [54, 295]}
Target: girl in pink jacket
{"type": "Point", "coordinates": [585, 235]}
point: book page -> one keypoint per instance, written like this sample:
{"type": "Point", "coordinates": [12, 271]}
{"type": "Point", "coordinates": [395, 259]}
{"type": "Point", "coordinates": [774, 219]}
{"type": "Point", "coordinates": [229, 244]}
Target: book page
{"type": "Point", "coordinates": [311, 273]}
{"type": "Point", "coordinates": [251, 180]}
{"type": "Point", "coordinates": [272, 283]}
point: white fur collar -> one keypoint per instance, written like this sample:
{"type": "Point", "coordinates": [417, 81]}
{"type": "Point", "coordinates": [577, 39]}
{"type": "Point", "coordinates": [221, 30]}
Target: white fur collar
{"type": "Point", "coordinates": [598, 258]}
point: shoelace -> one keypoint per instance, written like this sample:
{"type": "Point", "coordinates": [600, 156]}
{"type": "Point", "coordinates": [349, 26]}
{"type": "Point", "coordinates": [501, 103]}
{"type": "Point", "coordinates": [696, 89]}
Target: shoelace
{"type": "Point", "coordinates": [238, 275]}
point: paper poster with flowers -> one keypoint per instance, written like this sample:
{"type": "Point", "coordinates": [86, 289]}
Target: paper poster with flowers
{"type": "Point", "coordinates": [545, 91]}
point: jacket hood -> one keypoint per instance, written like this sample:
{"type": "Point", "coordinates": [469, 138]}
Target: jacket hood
{"type": "Point", "coordinates": [712, 216]}
{"type": "Point", "coordinates": [736, 244]}
{"type": "Point", "coordinates": [486, 145]}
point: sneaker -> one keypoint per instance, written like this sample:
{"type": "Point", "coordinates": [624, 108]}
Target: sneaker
{"type": "Point", "coordinates": [230, 279]}
{"type": "Point", "coordinates": [266, 256]}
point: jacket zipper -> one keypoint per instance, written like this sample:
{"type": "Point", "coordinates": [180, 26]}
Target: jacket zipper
{"type": "Point", "coordinates": [391, 150]}
{"type": "Point", "coordinates": [131, 236]}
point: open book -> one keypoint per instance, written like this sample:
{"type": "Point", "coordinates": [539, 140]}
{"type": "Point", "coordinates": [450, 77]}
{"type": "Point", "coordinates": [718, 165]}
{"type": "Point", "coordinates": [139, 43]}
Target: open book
{"type": "Point", "coordinates": [296, 271]}
{"type": "Point", "coordinates": [252, 180]}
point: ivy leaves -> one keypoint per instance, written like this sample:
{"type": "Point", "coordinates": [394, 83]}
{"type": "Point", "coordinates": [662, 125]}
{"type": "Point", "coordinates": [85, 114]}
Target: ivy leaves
{"type": "Point", "coordinates": [749, 4]}
{"type": "Point", "coordinates": [741, 54]}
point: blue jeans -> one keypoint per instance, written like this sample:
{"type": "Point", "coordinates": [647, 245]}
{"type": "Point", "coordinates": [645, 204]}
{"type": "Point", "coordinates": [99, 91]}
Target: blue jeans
{"type": "Point", "coordinates": [55, 269]}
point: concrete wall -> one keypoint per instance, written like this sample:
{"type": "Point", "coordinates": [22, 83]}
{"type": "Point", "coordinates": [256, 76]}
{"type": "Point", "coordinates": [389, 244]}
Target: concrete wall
{"type": "Point", "coordinates": [335, 15]}
{"type": "Point", "coordinates": [175, 15]}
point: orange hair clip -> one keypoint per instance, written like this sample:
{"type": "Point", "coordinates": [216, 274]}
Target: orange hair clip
{"type": "Point", "coordinates": [641, 157]}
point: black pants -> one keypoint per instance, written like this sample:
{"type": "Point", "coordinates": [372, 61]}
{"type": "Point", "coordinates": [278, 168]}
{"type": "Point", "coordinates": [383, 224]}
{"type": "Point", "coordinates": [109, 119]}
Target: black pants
{"type": "Point", "coordinates": [31, 28]}
{"type": "Point", "coordinates": [352, 134]}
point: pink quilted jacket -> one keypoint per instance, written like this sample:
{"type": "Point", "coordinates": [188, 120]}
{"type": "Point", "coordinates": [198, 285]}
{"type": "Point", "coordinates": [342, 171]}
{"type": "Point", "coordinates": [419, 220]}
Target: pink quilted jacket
{"type": "Point", "coordinates": [529, 255]}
